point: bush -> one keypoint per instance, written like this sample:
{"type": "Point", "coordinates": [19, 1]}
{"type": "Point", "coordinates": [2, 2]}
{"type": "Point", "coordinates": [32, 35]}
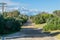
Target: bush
{"type": "Point", "coordinates": [9, 25]}
{"type": "Point", "coordinates": [41, 18]}
{"type": "Point", "coordinates": [54, 24]}
{"type": "Point", "coordinates": [39, 21]}
{"type": "Point", "coordinates": [11, 22]}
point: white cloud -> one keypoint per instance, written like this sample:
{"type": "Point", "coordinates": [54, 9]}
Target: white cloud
{"type": "Point", "coordinates": [13, 5]}
{"type": "Point", "coordinates": [19, 6]}
{"type": "Point", "coordinates": [9, 3]}
{"type": "Point", "coordinates": [34, 10]}
{"type": "Point", "coordinates": [29, 11]}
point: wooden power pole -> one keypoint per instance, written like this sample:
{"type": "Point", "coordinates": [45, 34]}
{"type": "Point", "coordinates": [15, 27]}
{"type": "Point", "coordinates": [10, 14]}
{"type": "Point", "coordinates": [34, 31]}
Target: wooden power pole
{"type": "Point", "coordinates": [2, 5]}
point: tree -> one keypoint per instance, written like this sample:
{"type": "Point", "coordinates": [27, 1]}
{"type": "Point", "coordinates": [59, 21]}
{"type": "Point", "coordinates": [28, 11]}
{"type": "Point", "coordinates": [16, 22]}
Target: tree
{"type": "Point", "coordinates": [57, 12]}
{"type": "Point", "coordinates": [42, 17]}
{"type": "Point", "coordinates": [5, 14]}
{"type": "Point", "coordinates": [11, 22]}
{"type": "Point", "coordinates": [14, 13]}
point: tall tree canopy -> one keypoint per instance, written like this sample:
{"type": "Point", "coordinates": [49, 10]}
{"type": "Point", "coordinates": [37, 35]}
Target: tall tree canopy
{"type": "Point", "coordinates": [14, 13]}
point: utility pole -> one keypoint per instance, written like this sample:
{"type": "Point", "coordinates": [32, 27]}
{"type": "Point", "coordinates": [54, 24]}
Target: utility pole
{"type": "Point", "coordinates": [3, 6]}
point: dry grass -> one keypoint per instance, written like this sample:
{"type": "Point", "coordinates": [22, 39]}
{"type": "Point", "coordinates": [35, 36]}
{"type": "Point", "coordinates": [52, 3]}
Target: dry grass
{"type": "Point", "coordinates": [39, 25]}
{"type": "Point", "coordinates": [56, 36]}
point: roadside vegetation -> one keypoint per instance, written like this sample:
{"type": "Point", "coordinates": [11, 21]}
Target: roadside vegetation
{"type": "Point", "coordinates": [41, 18]}
{"type": "Point", "coordinates": [52, 20]}
{"type": "Point", "coordinates": [11, 22]}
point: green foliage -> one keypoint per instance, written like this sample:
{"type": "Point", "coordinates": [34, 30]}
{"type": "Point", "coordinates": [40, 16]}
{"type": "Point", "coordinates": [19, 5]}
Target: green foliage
{"type": "Point", "coordinates": [13, 13]}
{"type": "Point", "coordinates": [9, 25]}
{"type": "Point", "coordinates": [54, 24]}
{"type": "Point", "coordinates": [11, 22]}
{"type": "Point", "coordinates": [41, 18]}
{"type": "Point", "coordinates": [57, 12]}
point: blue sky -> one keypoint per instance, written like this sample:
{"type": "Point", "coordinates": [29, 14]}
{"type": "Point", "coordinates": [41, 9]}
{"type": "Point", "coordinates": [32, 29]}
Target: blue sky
{"type": "Point", "coordinates": [33, 6]}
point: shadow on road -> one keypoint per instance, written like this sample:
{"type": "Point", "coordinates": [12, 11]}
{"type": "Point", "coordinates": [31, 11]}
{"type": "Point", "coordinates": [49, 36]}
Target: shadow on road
{"type": "Point", "coordinates": [28, 23]}
{"type": "Point", "coordinates": [31, 33]}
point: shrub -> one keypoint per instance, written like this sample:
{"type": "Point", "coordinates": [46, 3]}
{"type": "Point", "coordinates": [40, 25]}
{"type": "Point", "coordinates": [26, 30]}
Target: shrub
{"type": "Point", "coordinates": [9, 25]}
{"type": "Point", "coordinates": [11, 22]}
{"type": "Point", "coordinates": [54, 24]}
{"type": "Point", "coordinates": [42, 18]}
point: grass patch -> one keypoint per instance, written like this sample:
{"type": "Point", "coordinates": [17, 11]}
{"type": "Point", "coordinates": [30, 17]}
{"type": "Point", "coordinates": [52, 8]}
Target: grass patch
{"type": "Point", "coordinates": [58, 37]}
{"type": "Point", "coordinates": [56, 34]}
{"type": "Point", "coordinates": [40, 25]}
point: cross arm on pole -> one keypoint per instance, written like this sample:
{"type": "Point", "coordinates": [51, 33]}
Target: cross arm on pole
{"type": "Point", "coordinates": [2, 5]}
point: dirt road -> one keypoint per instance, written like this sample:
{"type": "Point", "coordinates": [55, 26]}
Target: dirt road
{"type": "Point", "coordinates": [28, 32]}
